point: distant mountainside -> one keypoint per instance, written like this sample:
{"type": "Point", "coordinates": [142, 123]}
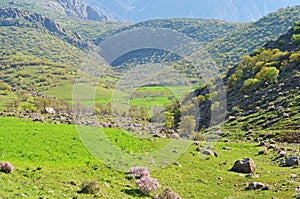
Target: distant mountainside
{"type": "Point", "coordinates": [21, 18]}
{"type": "Point", "coordinates": [229, 10]}
{"type": "Point", "coordinates": [38, 53]}
{"type": "Point", "coordinates": [224, 41]}
{"type": "Point", "coordinates": [59, 8]}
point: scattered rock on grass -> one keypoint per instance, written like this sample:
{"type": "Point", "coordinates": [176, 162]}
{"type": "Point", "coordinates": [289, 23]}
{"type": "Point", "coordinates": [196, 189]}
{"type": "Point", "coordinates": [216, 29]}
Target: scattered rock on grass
{"type": "Point", "coordinates": [257, 185]}
{"type": "Point", "coordinates": [246, 165]}
{"type": "Point", "coordinates": [262, 144]}
{"type": "Point", "coordinates": [227, 148]}
{"type": "Point", "coordinates": [262, 152]}
{"type": "Point", "coordinates": [208, 152]}
{"type": "Point", "coordinates": [292, 161]}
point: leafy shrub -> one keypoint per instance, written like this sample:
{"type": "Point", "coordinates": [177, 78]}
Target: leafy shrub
{"type": "Point", "coordinates": [296, 39]}
{"type": "Point", "coordinates": [25, 106]}
{"type": "Point", "coordinates": [6, 167]}
{"type": "Point", "coordinates": [5, 86]}
{"type": "Point", "coordinates": [147, 184]}
{"type": "Point", "coordinates": [138, 172]}
{"type": "Point", "coordinates": [90, 187]}
{"type": "Point", "coordinates": [168, 194]}
{"type": "Point", "coordinates": [187, 126]}
{"type": "Point", "coordinates": [251, 84]}
{"type": "Point", "coordinates": [268, 74]}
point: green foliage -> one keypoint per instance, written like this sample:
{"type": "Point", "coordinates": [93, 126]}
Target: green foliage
{"type": "Point", "coordinates": [268, 74]}
{"type": "Point", "coordinates": [5, 86]}
{"type": "Point", "coordinates": [169, 123]}
{"type": "Point", "coordinates": [296, 39]}
{"type": "Point", "coordinates": [187, 126]}
{"type": "Point", "coordinates": [295, 58]}
{"type": "Point", "coordinates": [215, 106]}
{"type": "Point", "coordinates": [26, 106]}
{"type": "Point", "coordinates": [251, 84]}
{"type": "Point", "coordinates": [90, 187]}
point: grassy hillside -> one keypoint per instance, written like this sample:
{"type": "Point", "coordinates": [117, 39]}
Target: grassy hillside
{"type": "Point", "coordinates": [272, 75]}
{"type": "Point", "coordinates": [50, 161]}
{"type": "Point", "coordinates": [262, 91]}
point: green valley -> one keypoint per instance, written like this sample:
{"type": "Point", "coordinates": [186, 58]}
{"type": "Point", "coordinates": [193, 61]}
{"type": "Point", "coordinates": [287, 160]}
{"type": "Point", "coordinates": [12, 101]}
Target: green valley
{"type": "Point", "coordinates": [188, 113]}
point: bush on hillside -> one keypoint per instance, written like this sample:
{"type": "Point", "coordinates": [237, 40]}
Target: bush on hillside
{"type": "Point", "coordinates": [6, 167]}
{"type": "Point", "coordinates": [147, 184]}
{"type": "Point", "coordinates": [251, 84]}
{"type": "Point", "coordinates": [89, 187]}
{"type": "Point", "coordinates": [167, 193]}
{"type": "Point", "coordinates": [296, 39]}
{"type": "Point", "coordinates": [138, 172]}
{"type": "Point", "coordinates": [268, 74]}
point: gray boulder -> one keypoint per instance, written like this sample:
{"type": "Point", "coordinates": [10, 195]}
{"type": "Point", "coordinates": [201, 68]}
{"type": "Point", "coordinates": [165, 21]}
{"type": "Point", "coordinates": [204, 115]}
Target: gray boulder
{"type": "Point", "coordinates": [246, 165]}
{"type": "Point", "coordinates": [208, 152]}
{"type": "Point", "coordinates": [292, 161]}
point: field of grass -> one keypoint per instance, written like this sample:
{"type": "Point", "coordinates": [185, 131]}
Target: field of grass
{"type": "Point", "coordinates": [143, 96]}
{"type": "Point", "coordinates": [51, 162]}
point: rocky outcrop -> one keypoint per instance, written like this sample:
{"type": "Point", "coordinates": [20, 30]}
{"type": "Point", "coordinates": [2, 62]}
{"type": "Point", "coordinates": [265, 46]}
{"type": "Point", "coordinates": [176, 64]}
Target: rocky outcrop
{"type": "Point", "coordinates": [75, 8]}
{"type": "Point", "coordinates": [20, 18]}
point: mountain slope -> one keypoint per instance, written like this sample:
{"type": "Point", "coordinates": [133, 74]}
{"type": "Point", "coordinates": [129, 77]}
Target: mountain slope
{"type": "Point", "coordinates": [225, 42]}
{"type": "Point", "coordinates": [229, 10]}
{"type": "Point", "coordinates": [262, 90]}
{"type": "Point", "coordinates": [227, 50]}
{"type": "Point", "coordinates": [23, 18]}
{"type": "Point", "coordinates": [38, 53]}
{"type": "Point", "coordinates": [59, 9]}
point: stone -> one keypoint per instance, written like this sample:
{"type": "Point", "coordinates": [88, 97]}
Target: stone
{"type": "Point", "coordinates": [255, 185]}
{"type": "Point", "coordinates": [292, 161]}
{"type": "Point", "coordinates": [262, 152]}
{"type": "Point", "coordinates": [246, 165]}
{"type": "Point", "coordinates": [227, 148]}
{"type": "Point", "coordinates": [208, 152]}
{"type": "Point", "coordinates": [271, 146]}
{"type": "Point", "coordinates": [262, 144]}
{"type": "Point", "coordinates": [272, 141]}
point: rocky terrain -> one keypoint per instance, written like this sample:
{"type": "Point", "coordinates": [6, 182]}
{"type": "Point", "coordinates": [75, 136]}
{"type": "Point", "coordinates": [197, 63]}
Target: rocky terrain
{"type": "Point", "coordinates": [22, 18]}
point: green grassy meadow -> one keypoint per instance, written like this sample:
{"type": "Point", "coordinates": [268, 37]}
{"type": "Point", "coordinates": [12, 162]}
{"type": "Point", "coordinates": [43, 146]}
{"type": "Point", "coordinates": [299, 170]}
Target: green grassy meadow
{"type": "Point", "coordinates": [143, 96]}
{"type": "Point", "coordinates": [51, 162]}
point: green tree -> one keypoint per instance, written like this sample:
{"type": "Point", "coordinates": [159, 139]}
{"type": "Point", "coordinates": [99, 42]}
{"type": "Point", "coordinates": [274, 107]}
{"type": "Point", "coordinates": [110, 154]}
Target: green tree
{"type": "Point", "coordinates": [268, 74]}
{"type": "Point", "coordinates": [251, 84]}
{"type": "Point", "coordinates": [187, 126]}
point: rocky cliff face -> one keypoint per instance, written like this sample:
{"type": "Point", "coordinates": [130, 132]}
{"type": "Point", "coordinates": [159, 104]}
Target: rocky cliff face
{"type": "Point", "coordinates": [75, 8]}
{"type": "Point", "coordinates": [20, 18]}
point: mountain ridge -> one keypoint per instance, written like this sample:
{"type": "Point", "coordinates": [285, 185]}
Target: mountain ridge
{"type": "Point", "coordinates": [229, 10]}
{"type": "Point", "coordinates": [20, 18]}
